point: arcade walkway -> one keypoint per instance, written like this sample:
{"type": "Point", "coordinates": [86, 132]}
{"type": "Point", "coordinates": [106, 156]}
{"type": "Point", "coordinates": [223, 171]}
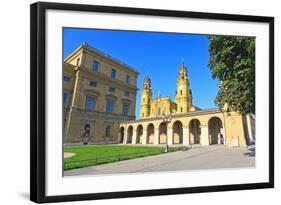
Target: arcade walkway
{"type": "Point", "coordinates": [211, 157]}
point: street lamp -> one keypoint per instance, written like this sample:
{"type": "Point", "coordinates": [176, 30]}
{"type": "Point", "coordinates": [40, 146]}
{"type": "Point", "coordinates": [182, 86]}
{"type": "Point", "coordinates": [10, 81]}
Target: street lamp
{"type": "Point", "coordinates": [166, 119]}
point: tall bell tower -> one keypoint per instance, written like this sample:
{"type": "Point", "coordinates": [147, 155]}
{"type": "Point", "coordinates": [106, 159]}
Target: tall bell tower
{"type": "Point", "coordinates": [183, 93]}
{"type": "Point", "coordinates": [146, 97]}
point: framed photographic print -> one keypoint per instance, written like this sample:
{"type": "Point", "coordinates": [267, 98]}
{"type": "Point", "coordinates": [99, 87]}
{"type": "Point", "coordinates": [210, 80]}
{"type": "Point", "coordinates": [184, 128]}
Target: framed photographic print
{"type": "Point", "coordinates": [129, 102]}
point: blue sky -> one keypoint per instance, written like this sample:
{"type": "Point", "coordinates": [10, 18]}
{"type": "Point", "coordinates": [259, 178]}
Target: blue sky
{"type": "Point", "coordinates": [158, 54]}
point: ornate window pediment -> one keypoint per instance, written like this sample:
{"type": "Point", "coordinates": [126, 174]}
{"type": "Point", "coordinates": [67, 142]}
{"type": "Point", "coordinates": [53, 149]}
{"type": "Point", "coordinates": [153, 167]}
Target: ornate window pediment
{"type": "Point", "coordinates": [125, 100]}
{"type": "Point", "coordinates": [91, 92]}
{"type": "Point", "coordinates": [110, 97]}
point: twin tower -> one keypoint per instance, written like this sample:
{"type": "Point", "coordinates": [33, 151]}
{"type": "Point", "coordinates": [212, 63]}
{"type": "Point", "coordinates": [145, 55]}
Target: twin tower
{"type": "Point", "coordinates": [165, 106]}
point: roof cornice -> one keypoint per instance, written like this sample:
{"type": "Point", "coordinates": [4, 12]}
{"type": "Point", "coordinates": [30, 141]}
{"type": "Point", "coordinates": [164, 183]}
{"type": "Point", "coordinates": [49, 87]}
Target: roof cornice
{"type": "Point", "coordinates": [102, 54]}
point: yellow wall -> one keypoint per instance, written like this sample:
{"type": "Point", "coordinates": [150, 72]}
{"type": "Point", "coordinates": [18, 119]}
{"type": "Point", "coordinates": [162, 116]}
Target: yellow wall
{"type": "Point", "coordinates": [161, 105]}
{"type": "Point", "coordinates": [183, 100]}
{"type": "Point", "coordinates": [76, 117]}
{"type": "Point", "coordinates": [232, 127]}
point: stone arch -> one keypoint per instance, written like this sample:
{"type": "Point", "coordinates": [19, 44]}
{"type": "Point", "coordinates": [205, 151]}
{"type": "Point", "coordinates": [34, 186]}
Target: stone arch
{"type": "Point", "coordinates": [215, 131]}
{"type": "Point", "coordinates": [150, 133]}
{"type": "Point", "coordinates": [121, 134]}
{"type": "Point", "coordinates": [163, 133]}
{"type": "Point", "coordinates": [194, 131]}
{"type": "Point", "coordinates": [130, 134]}
{"type": "Point", "coordinates": [139, 134]}
{"type": "Point", "coordinates": [177, 132]}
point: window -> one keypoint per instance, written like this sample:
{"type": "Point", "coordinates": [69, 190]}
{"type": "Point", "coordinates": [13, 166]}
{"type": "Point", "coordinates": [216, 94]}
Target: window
{"type": "Point", "coordinates": [65, 99]}
{"type": "Point", "coordinates": [66, 78]}
{"type": "Point", "coordinates": [111, 89]}
{"type": "Point", "coordinates": [77, 61]}
{"type": "Point", "coordinates": [142, 114]}
{"type": "Point", "coordinates": [181, 92]}
{"type": "Point", "coordinates": [126, 93]}
{"type": "Point", "coordinates": [159, 111]}
{"type": "Point", "coordinates": [181, 109]}
{"type": "Point", "coordinates": [109, 106]}
{"type": "Point", "coordinates": [95, 66]}
{"type": "Point", "coordinates": [90, 103]}
{"type": "Point", "coordinates": [113, 73]}
{"type": "Point", "coordinates": [125, 110]}
{"type": "Point", "coordinates": [93, 83]}
{"type": "Point", "coordinates": [127, 79]}
{"type": "Point", "coordinates": [108, 131]}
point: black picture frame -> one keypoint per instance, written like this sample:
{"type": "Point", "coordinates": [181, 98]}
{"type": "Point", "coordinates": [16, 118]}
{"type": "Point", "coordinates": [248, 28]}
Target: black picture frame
{"type": "Point", "coordinates": [38, 101]}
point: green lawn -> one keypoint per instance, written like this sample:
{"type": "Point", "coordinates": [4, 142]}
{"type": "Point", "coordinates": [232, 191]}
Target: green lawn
{"type": "Point", "coordinates": [100, 154]}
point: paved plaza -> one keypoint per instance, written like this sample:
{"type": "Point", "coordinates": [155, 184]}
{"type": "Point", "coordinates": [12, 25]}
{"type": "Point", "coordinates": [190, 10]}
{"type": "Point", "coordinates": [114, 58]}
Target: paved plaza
{"type": "Point", "coordinates": [210, 157]}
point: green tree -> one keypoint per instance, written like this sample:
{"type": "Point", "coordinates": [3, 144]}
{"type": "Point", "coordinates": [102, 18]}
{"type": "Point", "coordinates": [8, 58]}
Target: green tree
{"type": "Point", "coordinates": [232, 62]}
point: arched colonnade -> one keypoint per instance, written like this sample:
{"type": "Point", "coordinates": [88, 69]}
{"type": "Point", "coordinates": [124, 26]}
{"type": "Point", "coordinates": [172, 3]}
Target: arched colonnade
{"type": "Point", "coordinates": [193, 132]}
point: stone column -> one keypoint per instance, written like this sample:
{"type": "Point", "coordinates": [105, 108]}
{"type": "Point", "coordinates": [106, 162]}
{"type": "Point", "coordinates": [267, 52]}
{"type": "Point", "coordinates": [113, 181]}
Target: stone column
{"type": "Point", "coordinates": [119, 137]}
{"type": "Point", "coordinates": [224, 135]}
{"type": "Point", "coordinates": [219, 137]}
{"type": "Point", "coordinates": [156, 136]}
{"type": "Point", "coordinates": [185, 136]}
{"type": "Point", "coordinates": [125, 136]}
{"type": "Point", "coordinates": [235, 141]}
{"type": "Point", "coordinates": [134, 137]}
{"type": "Point", "coordinates": [144, 136]}
{"type": "Point", "coordinates": [191, 136]}
{"type": "Point", "coordinates": [170, 135]}
{"type": "Point", "coordinates": [249, 125]}
{"type": "Point", "coordinates": [204, 137]}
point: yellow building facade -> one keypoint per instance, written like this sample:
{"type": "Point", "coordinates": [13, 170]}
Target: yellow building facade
{"type": "Point", "coordinates": [159, 106]}
{"type": "Point", "coordinates": [163, 121]}
{"type": "Point", "coordinates": [98, 92]}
